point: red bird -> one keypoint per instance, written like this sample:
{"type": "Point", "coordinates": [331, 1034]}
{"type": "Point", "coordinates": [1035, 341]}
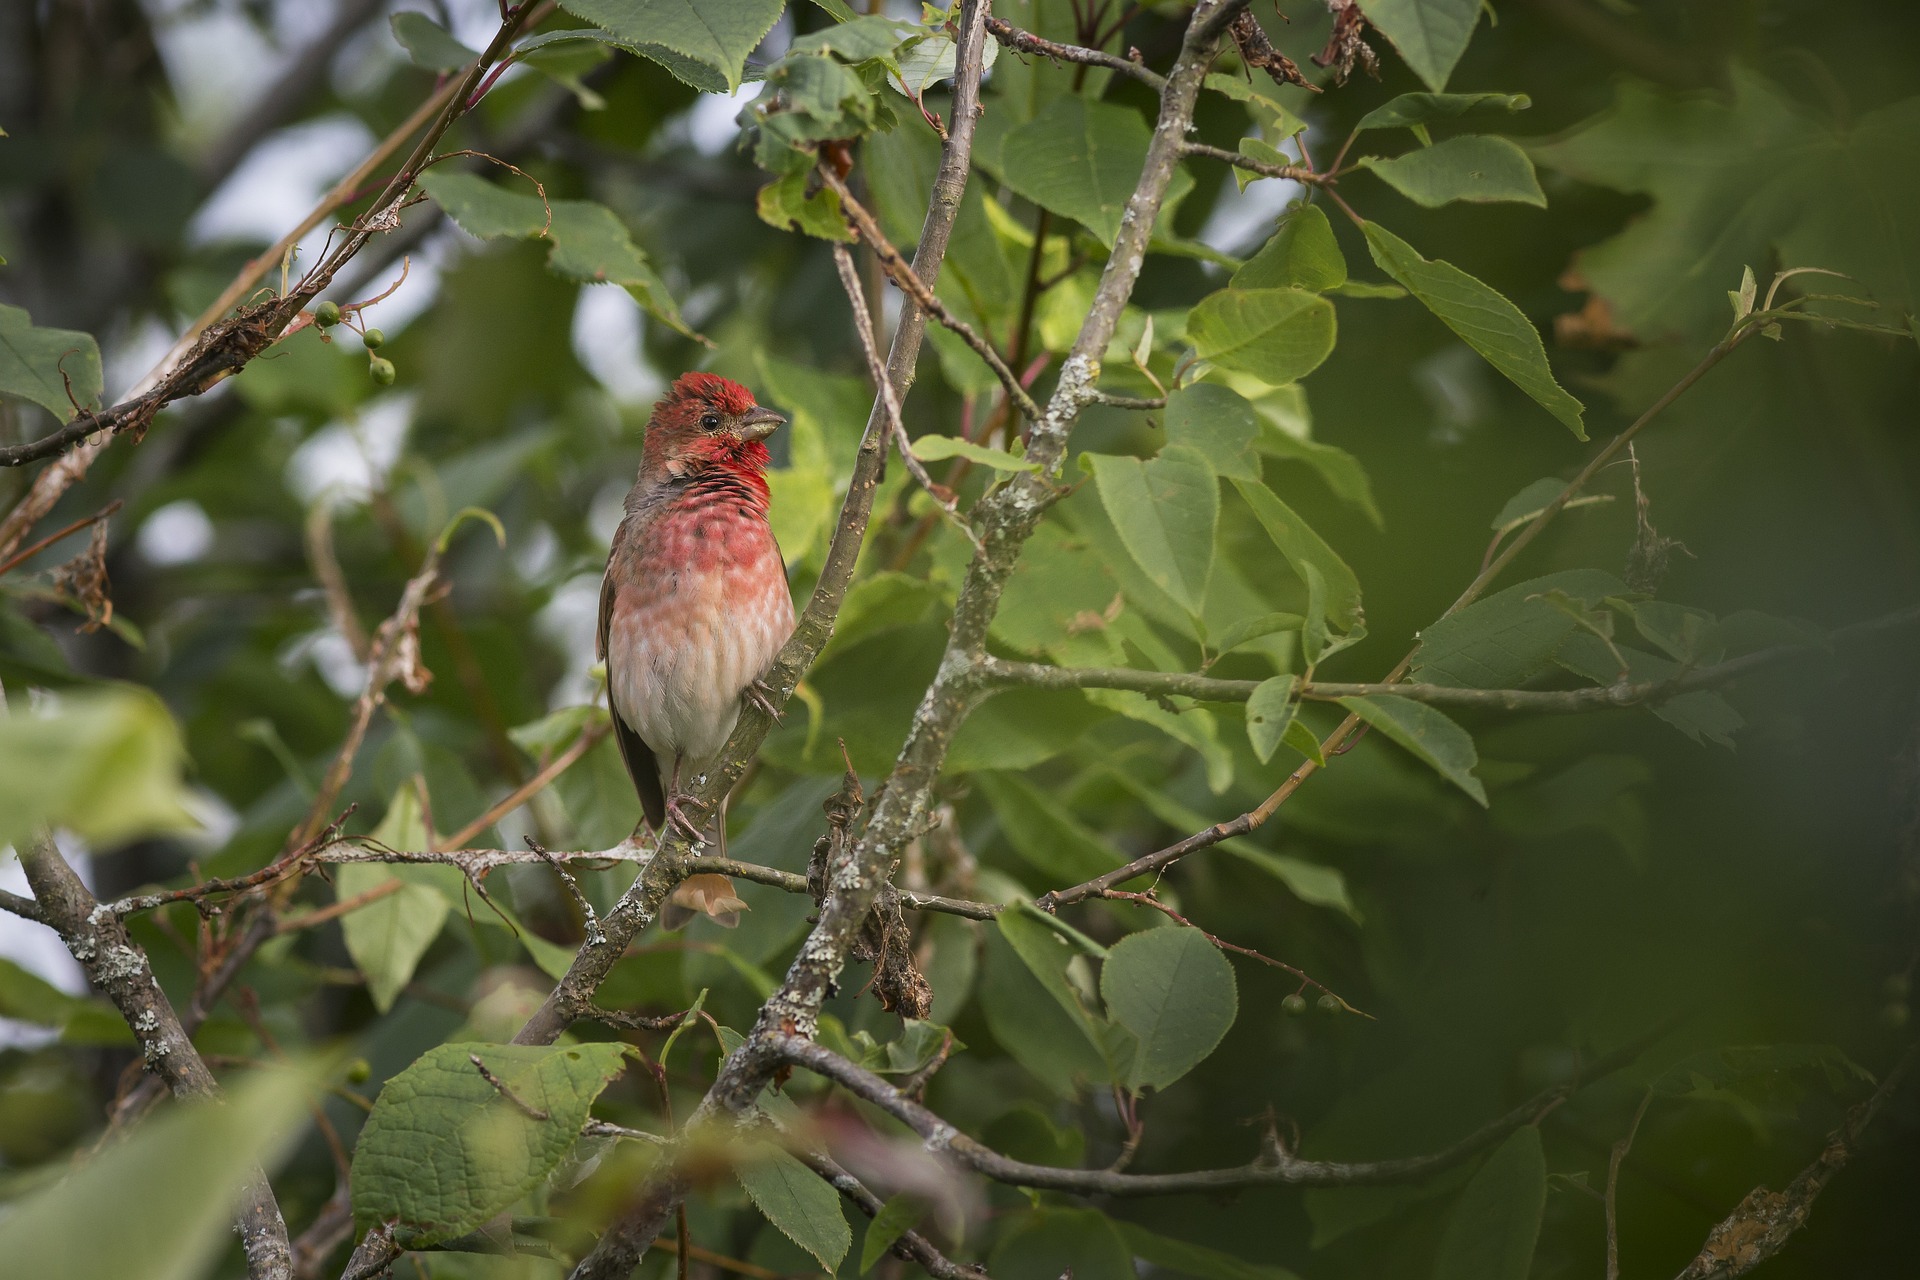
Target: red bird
{"type": "Point", "coordinates": [694, 607]}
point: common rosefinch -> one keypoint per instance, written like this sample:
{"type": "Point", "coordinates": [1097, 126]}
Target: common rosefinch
{"type": "Point", "coordinates": [693, 609]}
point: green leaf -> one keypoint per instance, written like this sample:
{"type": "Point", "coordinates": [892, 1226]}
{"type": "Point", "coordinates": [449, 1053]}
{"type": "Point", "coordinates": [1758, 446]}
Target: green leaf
{"type": "Point", "coordinates": [388, 936]}
{"type": "Point", "coordinates": [1303, 547]}
{"type": "Point", "coordinates": [481, 208]}
{"type": "Point", "coordinates": [899, 1215]}
{"type": "Point", "coordinates": [1509, 637]}
{"type": "Point", "coordinates": [1269, 712]}
{"type": "Point", "coordinates": [1474, 167]}
{"type": "Point", "coordinates": [786, 205]}
{"type": "Point", "coordinates": [105, 764]}
{"type": "Point", "coordinates": [1340, 470]}
{"type": "Point", "coordinates": [1051, 1243]}
{"type": "Point", "coordinates": [719, 36]}
{"type": "Point", "coordinates": [171, 1184]}
{"type": "Point", "coordinates": [1044, 832]}
{"type": "Point", "coordinates": [1219, 424]}
{"type": "Point", "coordinates": [1491, 1231]}
{"type": "Point", "coordinates": [1725, 173]}
{"type": "Point", "coordinates": [32, 362]}
{"type": "Point", "coordinates": [1523, 506]}
{"type": "Point", "coordinates": [1254, 628]}
{"type": "Point", "coordinates": [1302, 253]}
{"type": "Point", "coordinates": [592, 245]}
{"type": "Point", "coordinates": [802, 1204]}
{"type": "Point", "coordinates": [1482, 318]}
{"type": "Point", "coordinates": [1701, 714]}
{"type": "Point", "coordinates": [1427, 733]}
{"type": "Point", "coordinates": [940, 448]}
{"type": "Point", "coordinates": [1413, 109]}
{"type": "Point", "coordinates": [866, 36]}
{"type": "Point", "coordinates": [1304, 740]}
{"type": "Point", "coordinates": [1311, 882]}
{"type": "Point", "coordinates": [1430, 34]}
{"type": "Point", "coordinates": [931, 60]}
{"type": "Point", "coordinates": [1277, 335]}
{"type": "Point", "coordinates": [1057, 1046]}
{"type": "Point", "coordinates": [443, 1151]}
{"type": "Point", "coordinates": [1081, 159]}
{"type": "Point", "coordinates": [1197, 1260]}
{"type": "Point", "coordinates": [1265, 110]}
{"type": "Point", "coordinates": [1174, 990]}
{"type": "Point", "coordinates": [429, 44]}
{"type": "Point", "coordinates": [1165, 510]}
{"type": "Point", "coordinates": [29, 998]}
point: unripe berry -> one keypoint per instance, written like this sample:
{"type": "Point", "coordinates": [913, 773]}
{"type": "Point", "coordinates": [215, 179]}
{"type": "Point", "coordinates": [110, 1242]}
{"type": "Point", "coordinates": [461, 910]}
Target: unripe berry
{"type": "Point", "coordinates": [382, 371]}
{"type": "Point", "coordinates": [327, 314]}
{"type": "Point", "coordinates": [374, 339]}
{"type": "Point", "coordinates": [1294, 1005]}
{"type": "Point", "coordinates": [359, 1071]}
{"type": "Point", "coordinates": [1329, 1003]}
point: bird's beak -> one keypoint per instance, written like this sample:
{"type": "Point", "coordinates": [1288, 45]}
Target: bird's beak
{"type": "Point", "coordinates": [759, 423]}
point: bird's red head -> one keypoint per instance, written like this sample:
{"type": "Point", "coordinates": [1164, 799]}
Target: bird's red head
{"type": "Point", "coordinates": [706, 422]}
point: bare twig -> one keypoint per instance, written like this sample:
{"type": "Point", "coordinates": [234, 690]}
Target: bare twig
{"type": "Point", "coordinates": [1026, 42]}
{"type": "Point", "coordinates": [911, 1245]}
{"type": "Point", "coordinates": [863, 326]}
{"type": "Point", "coordinates": [1275, 1165]}
{"type": "Point", "coordinates": [1266, 169]}
{"type": "Point", "coordinates": [1615, 1159]}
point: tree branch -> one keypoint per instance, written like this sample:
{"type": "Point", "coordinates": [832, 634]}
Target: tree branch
{"type": "Point", "coordinates": [911, 1246]}
{"type": "Point", "coordinates": [1020, 41]}
{"type": "Point", "coordinates": [1275, 1166]}
{"type": "Point", "coordinates": [118, 968]}
{"type": "Point", "coordinates": [1265, 168]}
{"type": "Point", "coordinates": [1763, 1222]}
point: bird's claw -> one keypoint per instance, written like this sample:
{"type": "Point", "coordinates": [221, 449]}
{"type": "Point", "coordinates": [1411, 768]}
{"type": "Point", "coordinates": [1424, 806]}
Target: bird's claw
{"type": "Point", "coordinates": [758, 694]}
{"type": "Point", "coordinates": [677, 816]}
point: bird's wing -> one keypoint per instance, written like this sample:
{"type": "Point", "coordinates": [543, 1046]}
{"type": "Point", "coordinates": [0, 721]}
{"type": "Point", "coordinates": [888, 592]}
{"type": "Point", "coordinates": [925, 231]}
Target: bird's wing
{"type": "Point", "coordinates": [642, 767]}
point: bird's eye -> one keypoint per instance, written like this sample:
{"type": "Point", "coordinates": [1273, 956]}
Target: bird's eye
{"type": "Point", "coordinates": [711, 422]}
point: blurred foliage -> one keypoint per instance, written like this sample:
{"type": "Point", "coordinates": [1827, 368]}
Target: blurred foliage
{"type": "Point", "coordinates": [1378, 393]}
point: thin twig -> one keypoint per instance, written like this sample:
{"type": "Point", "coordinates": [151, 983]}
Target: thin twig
{"type": "Point", "coordinates": [589, 738]}
{"type": "Point", "coordinates": [863, 326]}
{"type": "Point", "coordinates": [500, 1086]}
{"type": "Point", "coordinates": [1614, 1160]}
{"type": "Point", "coordinates": [1026, 42]}
{"type": "Point", "coordinates": [1266, 169]}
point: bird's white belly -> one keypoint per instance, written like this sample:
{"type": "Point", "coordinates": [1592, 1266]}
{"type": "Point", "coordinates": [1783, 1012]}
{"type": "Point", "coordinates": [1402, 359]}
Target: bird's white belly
{"type": "Point", "coordinates": [678, 663]}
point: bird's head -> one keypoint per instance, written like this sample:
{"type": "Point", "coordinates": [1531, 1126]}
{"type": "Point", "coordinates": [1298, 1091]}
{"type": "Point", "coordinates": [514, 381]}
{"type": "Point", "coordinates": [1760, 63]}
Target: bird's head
{"type": "Point", "coordinates": [707, 421]}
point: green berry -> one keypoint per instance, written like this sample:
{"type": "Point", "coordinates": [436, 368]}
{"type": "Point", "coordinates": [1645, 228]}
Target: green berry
{"type": "Point", "coordinates": [374, 339]}
{"type": "Point", "coordinates": [382, 371]}
{"type": "Point", "coordinates": [1295, 1004]}
{"type": "Point", "coordinates": [327, 314]}
{"type": "Point", "coordinates": [1895, 987]}
{"type": "Point", "coordinates": [1894, 1016]}
{"type": "Point", "coordinates": [1329, 1003]}
{"type": "Point", "coordinates": [359, 1071]}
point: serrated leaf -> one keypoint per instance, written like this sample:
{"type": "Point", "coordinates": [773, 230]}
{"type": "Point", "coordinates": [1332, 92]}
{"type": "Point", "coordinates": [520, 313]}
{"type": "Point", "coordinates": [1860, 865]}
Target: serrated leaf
{"type": "Point", "coordinates": [592, 245]}
{"type": "Point", "coordinates": [1241, 632]}
{"type": "Point", "coordinates": [1174, 990]}
{"type": "Point", "coordinates": [867, 36]}
{"type": "Point", "coordinates": [786, 205]}
{"type": "Point", "coordinates": [1410, 109]}
{"type": "Point", "coordinates": [443, 1151]}
{"type": "Point", "coordinates": [1494, 1224]}
{"type": "Point", "coordinates": [932, 60]}
{"type": "Point", "coordinates": [387, 937]}
{"type": "Point", "coordinates": [1509, 637]}
{"type": "Point", "coordinates": [1081, 159]}
{"type": "Point", "coordinates": [1051, 1243]}
{"type": "Point", "coordinates": [1482, 318]}
{"type": "Point", "coordinates": [482, 208]}
{"type": "Point", "coordinates": [430, 45]}
{"type": "Point", "coordinates": [1217, 422]}
{"type": "Point", "coordinates": [1277, 335]}
{"type": "Point", "coordinates": [1476, 168]}
{"type": "Point", "coordinates": [1430, 34]}
{"type": "Point", "coordinates": [1165, 510]}
{"type": "Point", "coordinates": [105, 764]}
{"type": "Point", "coordinates": [715, 36]}
{"type": "Point", "coordinates": [940, 448]}
{"type": "Point", "coordinates": [1427, 733]}
{"type": "Point", "coordinates": [1303, 547]}
{"type": "Point", "coordinates": [799, 1202]}
{"type": "Point", "coordinates": [33, 360]}
{"type": "Point", "coordinates": [1269, 713]}
{"type": "Point", "coordinates": [1301, 253]}
{"type": "Point", "coordinates": [1701, 714]}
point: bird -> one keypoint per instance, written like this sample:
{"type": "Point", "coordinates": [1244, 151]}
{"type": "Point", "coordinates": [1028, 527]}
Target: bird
{"type": "Point", "coordinates": [694, 608]}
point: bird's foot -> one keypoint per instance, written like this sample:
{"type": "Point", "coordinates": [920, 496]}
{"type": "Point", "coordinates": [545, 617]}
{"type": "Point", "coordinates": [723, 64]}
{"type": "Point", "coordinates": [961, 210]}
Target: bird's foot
{"type": "Point", "coordinates": [677, 805]}
{"type": "Point", "coordinates": [761, 696]}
